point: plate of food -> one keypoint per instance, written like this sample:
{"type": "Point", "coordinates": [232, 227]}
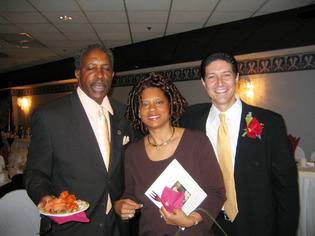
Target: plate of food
{"type": "Point", "coordinates": [65, 205]}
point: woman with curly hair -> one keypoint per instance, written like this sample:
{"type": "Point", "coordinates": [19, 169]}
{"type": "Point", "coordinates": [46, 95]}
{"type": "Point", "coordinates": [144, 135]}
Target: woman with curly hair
{"type": "Point", "coordinates": [155, 107]}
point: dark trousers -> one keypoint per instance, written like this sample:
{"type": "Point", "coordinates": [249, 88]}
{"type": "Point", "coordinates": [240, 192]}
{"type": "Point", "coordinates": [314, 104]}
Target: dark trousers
{"type": "Point", "coordinates": [128, 227]}
{"type": "Point", "coordinates": [225, 224]}
{"type": "Point", "coordinates": [112, 228]}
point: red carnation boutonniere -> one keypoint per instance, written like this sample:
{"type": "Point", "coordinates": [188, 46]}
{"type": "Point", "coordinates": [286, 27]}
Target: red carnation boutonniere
{"type": "Point", "coordinates": [254, 127]}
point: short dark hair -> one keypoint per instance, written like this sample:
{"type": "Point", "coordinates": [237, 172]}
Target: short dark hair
{"type": "Point", "coordinates": [81, 54]}
{"type": "Point", "coordinates": [176, 100]}
{"type": "Point", "coordinates": [218, 56]}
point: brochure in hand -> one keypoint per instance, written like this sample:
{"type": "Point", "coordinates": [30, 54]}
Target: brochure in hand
{"type": "Point", "coordinates": [176, 178]}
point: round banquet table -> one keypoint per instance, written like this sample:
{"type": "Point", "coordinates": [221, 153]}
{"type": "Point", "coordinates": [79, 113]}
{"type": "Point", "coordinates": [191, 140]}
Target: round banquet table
{"type": "Point", "coordinates": [307, 200]}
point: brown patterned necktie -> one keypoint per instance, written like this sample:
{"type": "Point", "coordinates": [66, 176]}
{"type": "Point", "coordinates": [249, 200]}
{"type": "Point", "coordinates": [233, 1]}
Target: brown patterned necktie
{"type": "Point", "coordinates": [104, 138]}
{"type": "Point", "coordinates": [226, 164]}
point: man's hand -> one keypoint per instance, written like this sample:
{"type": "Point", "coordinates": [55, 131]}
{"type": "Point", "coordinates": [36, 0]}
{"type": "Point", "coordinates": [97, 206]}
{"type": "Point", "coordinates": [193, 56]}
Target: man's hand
{"type": "Point", "coordinates": [126, 208]}
{"type": "Point", "coordinates": [44, 200]}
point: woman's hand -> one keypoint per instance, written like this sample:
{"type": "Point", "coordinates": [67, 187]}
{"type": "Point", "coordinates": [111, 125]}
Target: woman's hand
{"type": "Point", "coordinates": [179, 218]}
{"type": "Point", "coordinates": [126, 208]}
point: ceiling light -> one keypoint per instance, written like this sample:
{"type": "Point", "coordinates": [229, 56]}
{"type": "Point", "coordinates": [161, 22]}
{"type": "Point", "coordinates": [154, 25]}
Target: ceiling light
{"type": "Point", "coordinates": [65, 18]}
{"type": "Point", "coordinates": [22, 46]}
{"type": "Point", "coordinates": [21, 40]}
{"type": "Point", "coordinates": [25, 35]}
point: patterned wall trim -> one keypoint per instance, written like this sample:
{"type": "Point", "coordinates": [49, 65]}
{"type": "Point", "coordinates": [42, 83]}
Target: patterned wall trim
{"type": "Point", "coordinates": [181, 74]}
{"type": "Point", "coordinates": [56, 88]}
{"type": "Point", "coordinates": [275, 64]}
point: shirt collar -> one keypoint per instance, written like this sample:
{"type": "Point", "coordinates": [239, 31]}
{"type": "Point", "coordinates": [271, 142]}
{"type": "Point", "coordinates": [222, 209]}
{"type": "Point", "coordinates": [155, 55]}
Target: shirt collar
{"type": "Point", "coordinates": [236, 108]}
{"type": "Point", "coordinates": [91, 106]}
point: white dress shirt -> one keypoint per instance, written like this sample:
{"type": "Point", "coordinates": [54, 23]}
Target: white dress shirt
{"type": "Point", "coordinates": [233, 119]}
{"type": "Point", "coordinates": [91, 109]}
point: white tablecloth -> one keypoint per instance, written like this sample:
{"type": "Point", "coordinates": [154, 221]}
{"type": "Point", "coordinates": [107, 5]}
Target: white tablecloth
{"type": "Point", "coordinates": [307, 201]}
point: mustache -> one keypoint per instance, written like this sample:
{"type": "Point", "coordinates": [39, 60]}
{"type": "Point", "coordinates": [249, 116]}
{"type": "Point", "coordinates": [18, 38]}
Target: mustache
{"type": "Point", "coordinates": [99, 82]}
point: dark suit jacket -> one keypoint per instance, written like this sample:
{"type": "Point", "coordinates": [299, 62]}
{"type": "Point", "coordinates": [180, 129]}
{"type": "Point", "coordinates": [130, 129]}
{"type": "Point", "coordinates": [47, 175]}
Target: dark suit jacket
{"type": "Point", "coordinates": [265, 174]}
{"type": "Point", "coordinates": [64, 155]}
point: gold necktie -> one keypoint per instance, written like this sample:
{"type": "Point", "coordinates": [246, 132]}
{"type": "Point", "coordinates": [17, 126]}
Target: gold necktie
{"type": "Point", "coordinates": [104, 138]}
{"type": "Point", "coordinates": [226, 164]}
{"type": "Point", "coordinates": [104, 135]}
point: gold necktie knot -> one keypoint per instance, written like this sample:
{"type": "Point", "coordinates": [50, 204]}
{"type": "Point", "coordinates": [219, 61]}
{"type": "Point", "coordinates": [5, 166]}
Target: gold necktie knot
{"type": "Point", "coordinates": [222, 118]}
{"type": "Point", "coordinates": [223, 128]}
{"type": "Point", "coordinates": [101, 112]}
{"type": "Point", "coordinates": [103, 125]}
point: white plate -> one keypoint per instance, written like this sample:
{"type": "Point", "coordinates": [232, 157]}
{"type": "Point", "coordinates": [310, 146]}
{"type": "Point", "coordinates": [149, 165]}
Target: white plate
{"type": "Point", "coordinates": [83, 205]}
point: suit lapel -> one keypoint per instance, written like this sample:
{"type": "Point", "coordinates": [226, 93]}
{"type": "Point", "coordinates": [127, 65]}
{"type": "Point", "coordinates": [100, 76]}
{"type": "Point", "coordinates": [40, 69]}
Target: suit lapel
{"type": "Point", "coordinates": [85, 136]}
{"type": "Point", "coordinates": [201, 123]}
{"type": "Point", "coordinates": [240, 141]}
{"type": "Point", "coordinates": [117, 133]}
{"type": "Point", "coordinates": [244, 144]}
{"type": "Point", "coordinates": [83, 133]}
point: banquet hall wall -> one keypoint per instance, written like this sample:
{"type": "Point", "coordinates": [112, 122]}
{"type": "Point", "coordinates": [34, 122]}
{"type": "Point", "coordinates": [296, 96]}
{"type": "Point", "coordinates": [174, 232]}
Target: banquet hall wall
{"type": "Point", "coordinates": [287, 91]}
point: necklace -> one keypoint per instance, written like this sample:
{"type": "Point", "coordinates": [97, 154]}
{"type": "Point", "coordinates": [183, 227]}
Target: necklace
{"type": "Point", "coordinates": [158, 146]}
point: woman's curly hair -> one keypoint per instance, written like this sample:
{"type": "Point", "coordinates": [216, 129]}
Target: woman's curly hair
{"type": "Point", "coordinates": [176, 101]}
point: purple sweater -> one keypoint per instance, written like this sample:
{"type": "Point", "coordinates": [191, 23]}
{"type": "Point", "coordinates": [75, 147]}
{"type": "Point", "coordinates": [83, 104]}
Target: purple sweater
{"type": "Point", "coordinates": [196, 155]}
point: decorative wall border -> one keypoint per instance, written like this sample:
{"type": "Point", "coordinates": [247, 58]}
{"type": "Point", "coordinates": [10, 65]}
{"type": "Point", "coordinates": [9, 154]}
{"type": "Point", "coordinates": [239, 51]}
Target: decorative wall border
{"type": "Point", "coordinates": [56, 88]}
{"type": "Point", "coordinates": [180, 74]}
{"type": "Point", "coordinates": [276, 64]}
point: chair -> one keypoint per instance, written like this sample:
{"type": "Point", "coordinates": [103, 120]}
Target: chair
{"type": "Point", "coordinates": [19, 215]}
{"type": "Point", "coordinates": [4, 177]}
{"type": "Point", "coordinates": [2, 162]}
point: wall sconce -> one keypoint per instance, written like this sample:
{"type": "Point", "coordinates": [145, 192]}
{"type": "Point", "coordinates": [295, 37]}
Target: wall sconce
{"type": "Point", "coordinates": [246, 89]}
{"type": "Point", "coordinates": [24, 103]}
{"type": "Point", "coordinates": [249, 89]}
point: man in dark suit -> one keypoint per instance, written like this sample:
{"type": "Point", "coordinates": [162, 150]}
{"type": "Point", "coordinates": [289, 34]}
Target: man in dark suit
{"type": "Point", "coordinates": [67, 153]}
{"type": "Point", "coordinates": [265, 175]}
